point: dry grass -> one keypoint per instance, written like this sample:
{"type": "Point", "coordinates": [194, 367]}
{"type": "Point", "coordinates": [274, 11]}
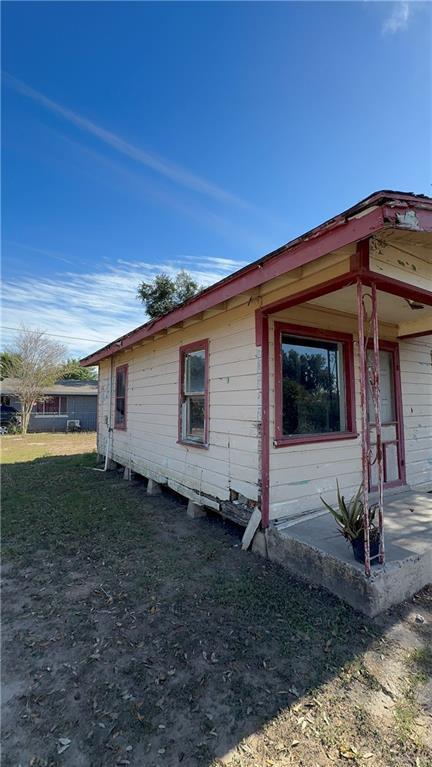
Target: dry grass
{"type": "Point", "coordinates": [144, 638]}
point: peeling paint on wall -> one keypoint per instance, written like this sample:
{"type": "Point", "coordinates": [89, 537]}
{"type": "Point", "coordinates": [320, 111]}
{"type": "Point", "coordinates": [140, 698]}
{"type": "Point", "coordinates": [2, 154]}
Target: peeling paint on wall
{"type": "Point", "coordinates": [408, 219]}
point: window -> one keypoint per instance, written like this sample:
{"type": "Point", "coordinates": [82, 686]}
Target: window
{"type": "Point", "coordinates": [313, 385]}
{"type": "Point", "coordinates": [52, 406]}
{"type": "Point", "coordinates": [120, 397]}
{"type": "Point", "coordinates": [193, 415]}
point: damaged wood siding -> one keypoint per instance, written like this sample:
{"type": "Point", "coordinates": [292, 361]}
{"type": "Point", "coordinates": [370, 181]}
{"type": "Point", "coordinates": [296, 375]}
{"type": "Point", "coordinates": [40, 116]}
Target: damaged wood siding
{"type": "Point", "coordinates": [407, 262]}
{"type": "Point", "coordinates": [149, 444]}
{"type": "Point", "coordinates": [416, 379]}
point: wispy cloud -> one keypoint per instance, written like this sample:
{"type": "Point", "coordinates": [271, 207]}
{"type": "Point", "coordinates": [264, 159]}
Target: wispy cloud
{"type": "Point", "coordinates": [98, 305]}
{"type": "Point", "coordinates": [398, 19]}
{"type": "Point", "coordinates": [156, 163]}
{"type": "Point", "coordinates": [41, 251]}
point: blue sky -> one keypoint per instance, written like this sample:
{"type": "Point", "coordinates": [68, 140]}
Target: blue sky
{"type": "Point", "coordinates": [146, 136]}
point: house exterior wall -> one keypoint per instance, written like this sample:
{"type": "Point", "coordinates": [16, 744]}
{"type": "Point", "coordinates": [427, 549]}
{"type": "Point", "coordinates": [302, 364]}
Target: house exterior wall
{"type": "Point", "coordinates": [83, 408]}
{"type": "Point", "coordinates": [149, 445]}
{"type": "Point", "coordinates": [299, 474]}
{"type": "Point", "coordinates": [416, 379]}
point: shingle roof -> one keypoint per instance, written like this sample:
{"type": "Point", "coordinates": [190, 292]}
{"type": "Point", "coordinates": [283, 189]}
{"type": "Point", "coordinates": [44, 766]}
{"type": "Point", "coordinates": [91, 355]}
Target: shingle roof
{"type": "Point", "coordinates": [68, 386]}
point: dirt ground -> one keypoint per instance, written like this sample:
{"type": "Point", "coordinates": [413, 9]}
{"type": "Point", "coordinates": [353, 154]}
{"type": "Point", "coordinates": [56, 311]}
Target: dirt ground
{"type": "Point", "coordinates": [133, 635]}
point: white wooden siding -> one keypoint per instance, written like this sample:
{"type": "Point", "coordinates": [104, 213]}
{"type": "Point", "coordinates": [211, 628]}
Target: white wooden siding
{"type": "Point", "coordinates": [416, 378]}
{"type": "Point", "coordinates": [299, 474]}
{"type": "Point", "coordinates": [149, 444]}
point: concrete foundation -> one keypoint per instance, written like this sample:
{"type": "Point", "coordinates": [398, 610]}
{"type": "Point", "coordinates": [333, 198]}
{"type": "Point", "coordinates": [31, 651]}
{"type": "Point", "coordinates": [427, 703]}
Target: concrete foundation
{"type": "Point", "coordinates": [153, 488]}
{"type": "Point", "coordinates": [194, 510]}
{"type": "Point", "coordinates": [314, 550]}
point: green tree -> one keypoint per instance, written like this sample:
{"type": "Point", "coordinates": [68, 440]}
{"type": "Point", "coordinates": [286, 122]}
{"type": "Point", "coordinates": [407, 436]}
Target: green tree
{"type": "Point", "coordinates": [165, 293]}
{"type": "Point", "coordinates": [73, 369]}
{"type": "Point", "coordinates": [7, 362]}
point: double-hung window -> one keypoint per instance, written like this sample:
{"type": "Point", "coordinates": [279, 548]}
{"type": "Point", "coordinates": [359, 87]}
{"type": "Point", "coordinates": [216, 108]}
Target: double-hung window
{"type": "Point", "coordinates": [314, 385]}
{"type": "Point", "coordinates": [52, 406]}
{"type": "Point", "coordinates": [121, 376]}
{"type": "Point", "coordinates": [193, 404]}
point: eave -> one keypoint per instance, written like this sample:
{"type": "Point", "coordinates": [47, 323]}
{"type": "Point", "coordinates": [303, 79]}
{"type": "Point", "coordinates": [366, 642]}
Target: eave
{"type": "Point", "coordinates": [379, 210]}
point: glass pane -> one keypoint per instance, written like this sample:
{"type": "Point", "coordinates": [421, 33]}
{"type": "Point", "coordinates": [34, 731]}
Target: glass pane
{"type": "Point", "coordinates": [120, 410]}
{"type": "Point", "coordinates": [120, 386]}
{"type": "Point", "coordinates": [195, 416]}
{"type": "Point", "coordinates": [194, 366]}
{"type": "Point", "coordinates": [51, 405]}
{"type": "Point", "coordinates": [313, 389]}
{"type": "Point", "coordinates": [386, 388]}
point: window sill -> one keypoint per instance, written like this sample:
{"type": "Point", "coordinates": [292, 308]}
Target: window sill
{"type": "Point", "coordinates": [187, 443]}
{"type": "Point", "coordinates": [120, 427]}
{"type": "Point", "coordinates": [306, 439]}
{"type": "Point", "coordinates": [49, 415]}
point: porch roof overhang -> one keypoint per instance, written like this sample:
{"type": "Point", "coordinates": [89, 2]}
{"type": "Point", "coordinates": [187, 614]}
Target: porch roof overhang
{"type": "Point", "coordinates": [381, 210]}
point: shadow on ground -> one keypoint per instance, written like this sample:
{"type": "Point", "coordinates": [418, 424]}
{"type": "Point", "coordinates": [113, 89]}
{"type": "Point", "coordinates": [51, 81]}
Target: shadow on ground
{"type": "Point", "coordinates": [133, 635]}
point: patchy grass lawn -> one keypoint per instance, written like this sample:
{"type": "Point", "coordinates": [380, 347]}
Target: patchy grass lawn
{"type": "Point", "coordinates": [135, 636]}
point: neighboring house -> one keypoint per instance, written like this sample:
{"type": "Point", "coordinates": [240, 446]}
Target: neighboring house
{"type": "Point", "coordinates": [63, 402]}
{"type": "Point", "coordinates": [252, 395]}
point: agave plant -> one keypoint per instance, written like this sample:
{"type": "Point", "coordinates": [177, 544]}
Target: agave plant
{"type": "Point", "coordinates": [349, 515]}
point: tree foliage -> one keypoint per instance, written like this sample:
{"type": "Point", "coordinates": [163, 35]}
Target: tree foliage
{"type": "Point", "coordinates": [7, 362]}
{"type": "Point", "coordinates": [35, 363]}
{"type": "Point", "coordinates": [73, 369]}
{"type": "Point", "coordinates": [310, 393]}
{"type": "Point", "coordinates": [165, 293]}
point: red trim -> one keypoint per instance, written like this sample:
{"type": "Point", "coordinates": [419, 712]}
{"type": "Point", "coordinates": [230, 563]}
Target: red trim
{"type": "Point", "coordinates": [97, 406]}
{"type": "Point", "coordinates": [396, 214]}
{"type": "Point", "coordinates": [357, 223]}
{"type": "Point", "coordinates": [346, 339]}
{"type": "Point", "coordinates": [329, 286]}
{"type": "Point", "coordinates": [397, 287]}
{"type": "Point", "coordinates": [360, 259]}
{"type": "Point", "coordinates": [121, 426]}
{"type": "Point", "coordinates": [393, 347]}
{"type": "Point", "coordinates": [183, 350]}
{"type": "Point", "coordinates": [416, 335]}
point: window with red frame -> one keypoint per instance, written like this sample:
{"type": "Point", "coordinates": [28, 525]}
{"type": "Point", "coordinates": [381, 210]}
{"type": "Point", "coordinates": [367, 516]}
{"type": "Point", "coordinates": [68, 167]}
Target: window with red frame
{"type": "Point", "coordinates": [120, 397]}
{"type": "Point", "coordinates": [314, 385]}
{"type": "Point", "coordinates": [193, 393]}
{"type": "Point", "coordinates": [52, 406]}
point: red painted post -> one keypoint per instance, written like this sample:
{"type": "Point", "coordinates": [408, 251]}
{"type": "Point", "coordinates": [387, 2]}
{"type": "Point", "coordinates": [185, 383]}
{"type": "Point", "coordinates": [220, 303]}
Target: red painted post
{"type": "Point", "coordinates": [376, 392]}
{"type": "Point", "coordinates": [364, 418]}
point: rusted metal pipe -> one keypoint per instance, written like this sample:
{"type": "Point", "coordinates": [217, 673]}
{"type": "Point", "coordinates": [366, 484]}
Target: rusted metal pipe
{"type": "Point", "coordinates": [376, 395]}
{"type": "Point", "coordinates": [364, 420]}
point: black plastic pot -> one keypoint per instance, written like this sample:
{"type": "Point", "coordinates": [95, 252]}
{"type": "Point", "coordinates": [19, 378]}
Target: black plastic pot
{"type": "Point", "coordinates": [359, 550]}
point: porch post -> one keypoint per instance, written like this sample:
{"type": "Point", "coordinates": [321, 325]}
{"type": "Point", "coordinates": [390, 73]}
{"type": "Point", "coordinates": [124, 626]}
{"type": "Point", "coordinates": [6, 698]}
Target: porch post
{"type": "Point", "coordinates": [376, 393]}
{"type": "Point", "coordinates": [364, 418]}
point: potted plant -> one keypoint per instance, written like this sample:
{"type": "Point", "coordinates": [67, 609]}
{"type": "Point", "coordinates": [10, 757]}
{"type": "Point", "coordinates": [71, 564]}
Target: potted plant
{"type": "Point", "coordinates": [349, 517]}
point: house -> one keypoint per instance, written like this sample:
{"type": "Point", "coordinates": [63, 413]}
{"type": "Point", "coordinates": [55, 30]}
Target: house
{"type": "Point", "coordinates": [309, 366]}
{"type": "Point", "coordinates": [63, 403]}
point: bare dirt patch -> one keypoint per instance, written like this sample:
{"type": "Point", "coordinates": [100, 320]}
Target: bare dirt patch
{"type": "Point", "coordinates": [135, 636]}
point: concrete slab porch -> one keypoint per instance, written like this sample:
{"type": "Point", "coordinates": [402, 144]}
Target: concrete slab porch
{"type": "Point", "coordinates": [314, 550]}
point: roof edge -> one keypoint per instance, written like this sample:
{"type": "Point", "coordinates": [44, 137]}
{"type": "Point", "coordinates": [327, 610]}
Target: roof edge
{"type": "Point", "coordinates": [217, 292]}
